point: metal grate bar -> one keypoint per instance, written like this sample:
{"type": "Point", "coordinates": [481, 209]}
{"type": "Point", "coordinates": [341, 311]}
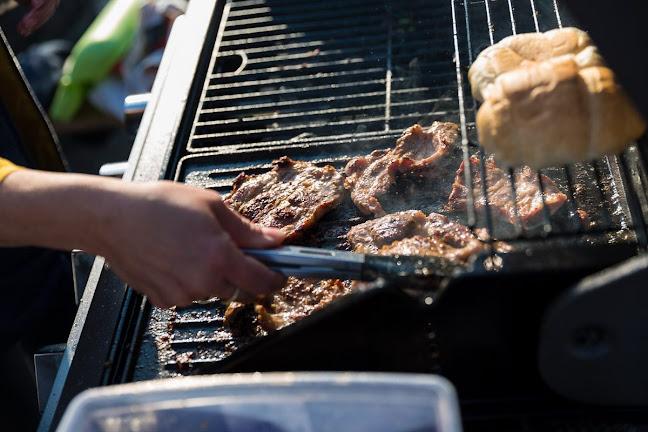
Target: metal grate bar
{"type": "Point", "coordinates": [517, 226]}
{"type": "Point", "coordinates": [320, 15]}
{"type": "Point", "coordinates": [252, 42]}
{"type": "Point", "coordinates": [301, 105]}
{"type": "Point", "coordinates": [342, 54]}
{"type": "Point", "coordinates": [351, 137]}
{"type": "Point", "coordinates": [555, 5]}
{"type": "Point", "coordinates": [534, 15]}
{"type": "Point", "coordinates": [482, 166]}
{"type": "Point", "coordinates": [388, 77]}
{"type": "Point", "coordinates": [571, 197]}
{"type": "Point", "coordinates": [347, 125]}
{"type": "Point", "coordinates": [379, 83]}
{"type": "Point", "coordinates": [247, 27]}
{"type": "Point", "coordinates": [546, 228]}
{"type": "Point", "coordinates": [302, 80]}
{"type": "Point", "coordinates": [325, 100]}
{"type": "Point", "coordinates": [299, 68]}
{"type": "Point", "coordinates": [269, 47]}
{"type": "Point", "coordinates": [599, 181]}
{"type": "Point", "coordinates": [366, 88]}
{"type": "Point", "coordinates": [491, 29]}
{"type": "Point", "coordinates": [513, 26]}
{"type": "Point", "coordinates": [465, 143]}
{"type": "Point", "coordinates": [198, 342]}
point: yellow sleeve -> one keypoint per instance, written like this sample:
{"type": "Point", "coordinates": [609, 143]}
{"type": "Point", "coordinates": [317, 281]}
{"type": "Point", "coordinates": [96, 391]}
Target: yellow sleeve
{"type": "Point", "coordinates": [6, 168]}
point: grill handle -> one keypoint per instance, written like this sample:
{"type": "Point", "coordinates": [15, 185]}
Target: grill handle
{"type": "Point", "coordinates": [134, 107]}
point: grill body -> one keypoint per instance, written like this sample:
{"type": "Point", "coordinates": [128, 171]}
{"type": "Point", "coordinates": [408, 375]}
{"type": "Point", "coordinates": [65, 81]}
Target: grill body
{"type": "Point", "coordinates": [245, 82]}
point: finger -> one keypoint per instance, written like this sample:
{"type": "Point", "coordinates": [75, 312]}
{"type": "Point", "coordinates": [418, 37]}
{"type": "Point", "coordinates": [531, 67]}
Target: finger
{"type": "Point", "coordinates": [247, 298]}
{"type": "Point", "coordinates": [246, 273]}
{"type": "Point", "coordinates": [249, 275]}
{"type": "Point", "coordinates": [41, 11]}
{"type": "Point", "coordinates": [230, 293]}
{"type": "Point", "coordinates": [161, 290]}
{"type": "Point", "coordinates": [142, 288]}
{"type": "Point", "coordinates": [245, 233]}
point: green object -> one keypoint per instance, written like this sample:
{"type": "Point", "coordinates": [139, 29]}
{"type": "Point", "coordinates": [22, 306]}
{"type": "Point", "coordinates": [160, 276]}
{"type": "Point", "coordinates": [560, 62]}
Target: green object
{"type": "Point", "coordinates": [104, 43]}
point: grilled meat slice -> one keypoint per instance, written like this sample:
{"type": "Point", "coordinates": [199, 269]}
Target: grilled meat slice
{"type": "Point", "coordinates": [412, 233]}
{"type": "Point", "coordinates": [371, 236]}
{"type": "Point", "coordinates": [298, 298]}
{"type": "Point", "coordinates": [417, 152]}
{"type": "Point", "coordinates": [292, 196]}
{"type": "Point", "coordinates": [528, 195]}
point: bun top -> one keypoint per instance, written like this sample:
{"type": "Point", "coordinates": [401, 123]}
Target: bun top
{"type": "Point", "coordinates": [528, 50]}
{"type": "Point", "coordinates": [549, 99]}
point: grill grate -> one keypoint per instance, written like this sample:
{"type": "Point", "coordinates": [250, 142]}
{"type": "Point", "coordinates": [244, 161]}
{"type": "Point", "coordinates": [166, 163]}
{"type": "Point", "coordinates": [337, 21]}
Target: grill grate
{"type": "Point", "coordinates": [325, 82]}
{"type": "Point", "coordinates": [322, 72]}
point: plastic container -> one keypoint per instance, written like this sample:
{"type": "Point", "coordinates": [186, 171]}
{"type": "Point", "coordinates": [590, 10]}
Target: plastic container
{"type": "Point", "coordinates": [103, 44]}
{"type": "Point", "coordinates": [270, 402]}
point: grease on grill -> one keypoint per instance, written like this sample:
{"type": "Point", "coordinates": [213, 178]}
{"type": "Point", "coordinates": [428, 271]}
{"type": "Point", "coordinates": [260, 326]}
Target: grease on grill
{"type": "Point", "coordinates": [297, 299]}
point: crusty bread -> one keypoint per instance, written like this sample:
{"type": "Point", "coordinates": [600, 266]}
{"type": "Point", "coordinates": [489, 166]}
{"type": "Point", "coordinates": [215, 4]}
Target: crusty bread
{"type": "Point", "coordinates": [548, 99]}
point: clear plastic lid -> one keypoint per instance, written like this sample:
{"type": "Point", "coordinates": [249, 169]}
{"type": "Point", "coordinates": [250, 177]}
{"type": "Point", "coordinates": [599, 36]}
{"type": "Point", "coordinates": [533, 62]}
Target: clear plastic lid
{"type": "Point", "coordinates": [272, 402]}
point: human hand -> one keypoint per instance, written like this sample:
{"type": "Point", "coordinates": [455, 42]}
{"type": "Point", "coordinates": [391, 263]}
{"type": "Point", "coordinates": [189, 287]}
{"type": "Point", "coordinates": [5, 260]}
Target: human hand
{"type": "Point", "coordinates": [171, 242]}
{"type": "Point", "coordinates": [177, 244]}
{"type": "Point", "coordinates": [38, 13]}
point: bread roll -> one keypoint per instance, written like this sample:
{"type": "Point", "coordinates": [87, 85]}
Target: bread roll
{"type": "Point", "coordinates": [549, 99]}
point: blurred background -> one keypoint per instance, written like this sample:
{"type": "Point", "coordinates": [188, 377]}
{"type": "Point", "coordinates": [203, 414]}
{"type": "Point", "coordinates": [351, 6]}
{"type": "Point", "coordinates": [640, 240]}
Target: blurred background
{"type": "Point", "coordinates": [93, 134]}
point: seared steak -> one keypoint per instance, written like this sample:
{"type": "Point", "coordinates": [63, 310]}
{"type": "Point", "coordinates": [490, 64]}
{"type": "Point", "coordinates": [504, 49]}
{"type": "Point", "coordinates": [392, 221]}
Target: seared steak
{"type": "Point", "coordinates": [298, 298]}
{"type": "Point", "coordinates": [417, 152]}
{"type": "Point", "coordinates": [529, 199]}
{"type": "Point", "coordinates": [292, 196]}
{"type": "Point", "coordinates": [412, 233]}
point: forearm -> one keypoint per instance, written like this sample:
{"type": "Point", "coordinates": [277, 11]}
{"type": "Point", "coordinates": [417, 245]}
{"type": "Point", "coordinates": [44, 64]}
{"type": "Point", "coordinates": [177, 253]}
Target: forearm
{"type": "Point", "coordinates": [172, 242]}
{"type": "Point", "coordinates": [59, 211]}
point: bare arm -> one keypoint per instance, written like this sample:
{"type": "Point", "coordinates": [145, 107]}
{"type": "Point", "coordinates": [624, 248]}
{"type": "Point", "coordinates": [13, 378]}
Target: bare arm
{"type": "Point", "coordinates": [172, 242]}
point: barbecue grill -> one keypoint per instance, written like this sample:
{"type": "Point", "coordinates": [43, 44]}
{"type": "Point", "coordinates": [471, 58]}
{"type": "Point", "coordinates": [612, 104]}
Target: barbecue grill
{"type": "Point", "coordinates": [245, 82]}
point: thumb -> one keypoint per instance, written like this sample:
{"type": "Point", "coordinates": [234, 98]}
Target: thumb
{"type": "Point", "coordinates": [245, 233]}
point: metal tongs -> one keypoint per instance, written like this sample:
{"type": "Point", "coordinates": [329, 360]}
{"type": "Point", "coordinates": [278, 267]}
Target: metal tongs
{"type": "Point", "coordinates": [307, 262]}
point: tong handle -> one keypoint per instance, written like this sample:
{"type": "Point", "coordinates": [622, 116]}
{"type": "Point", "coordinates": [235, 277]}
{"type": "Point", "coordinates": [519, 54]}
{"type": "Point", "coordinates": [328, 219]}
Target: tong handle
{"type": "Point", "coordinates": [306, 262]}
{"type": "Point", "coordinates": [302, 261]}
